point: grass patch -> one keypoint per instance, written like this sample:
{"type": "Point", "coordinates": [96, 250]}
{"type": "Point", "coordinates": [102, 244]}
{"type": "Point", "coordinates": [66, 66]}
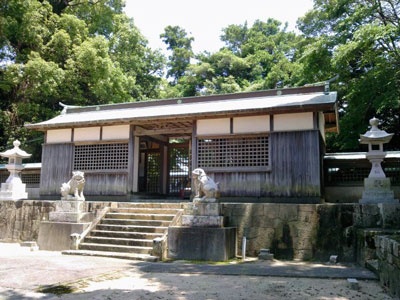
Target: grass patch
{"type": "Point", "coordinates": [57, 289]}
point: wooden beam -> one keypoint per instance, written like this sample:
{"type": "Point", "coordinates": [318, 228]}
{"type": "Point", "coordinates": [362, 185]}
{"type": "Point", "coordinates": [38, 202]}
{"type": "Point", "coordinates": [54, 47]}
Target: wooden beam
{"type": "Point", "coordinates": [143, 132]}
{"type": "Point", "coordinates": [154, 140]}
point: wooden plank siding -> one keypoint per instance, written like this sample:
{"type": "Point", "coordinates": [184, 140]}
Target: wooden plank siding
{"type": "Point", "coordinates": [56, 167]}
{"type": "Point", "coordinates": [98, 184]}
{"type": "Point", "coordinates": [295, 169]}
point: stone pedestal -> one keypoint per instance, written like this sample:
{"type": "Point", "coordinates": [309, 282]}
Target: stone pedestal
{"type": "Point", "coordinates": [69, 218]}
{"type": "Point", "coordinates": [202, 215]}
{"type": "Point", "coordinates": [68, 211]}
{"type": "Point", "coordinates": [56, 236]}
{"type": "Point", "coordinates": [202, 243]}
{"type": "Point", "coordinates": [13, 191]}
{"type": "Point", "coordinates": [377, 190]}
{"type": "Point", "coordinates": [202, 235]}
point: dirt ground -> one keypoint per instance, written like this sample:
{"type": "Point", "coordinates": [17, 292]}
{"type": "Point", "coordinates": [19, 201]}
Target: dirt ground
{"type": "Point", "coordinates": [124, 280]}
{"type": "Point", "coordinates": [134, 285]}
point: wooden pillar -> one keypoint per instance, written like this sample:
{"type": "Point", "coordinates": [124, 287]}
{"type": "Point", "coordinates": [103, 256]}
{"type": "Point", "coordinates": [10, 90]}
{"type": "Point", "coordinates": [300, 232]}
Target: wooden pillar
{"type": "Point", "coordinates": [164, 168]}
{"type": "Point", "coordinates": [133, 161]}
{"type": "Point", "coordinates": [194, 151]}
{"type": "Point", "coordinates": [194, 145]}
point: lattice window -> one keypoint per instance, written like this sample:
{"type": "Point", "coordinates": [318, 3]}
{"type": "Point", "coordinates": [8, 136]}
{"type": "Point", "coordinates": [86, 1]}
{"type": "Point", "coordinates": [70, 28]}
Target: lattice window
{"type": "Point", "coordinates": [233, 152]}
{"type": "Point", "coordinates": [101, 157]}
{"type": "Point", "coordinates": [31, 179]}
{"type": "Point", "coordinates": [153, 172]}
{"type": "Point", "coordinates": [355, 175]}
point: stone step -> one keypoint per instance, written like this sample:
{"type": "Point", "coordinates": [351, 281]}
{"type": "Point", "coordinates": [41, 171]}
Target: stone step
{"type": "Point", "coordinates": [115, 248]}
{"type": "Point", "coordinates": [126, 234]}
{"type": "Point", "coordinates": [121, 255]}
{"type": "Point", "coordinates": [145, 210]}
{"type": "Point", "coordinates": [131, 228]}
{"type": "Point", "coordinates": [149, 205]}
{"type": "Point", "coordinates": [118, 241]}
{"type": "Point", "coordinates": [159, 217]}
{"type": "Point", "coordinates": [134, 222]}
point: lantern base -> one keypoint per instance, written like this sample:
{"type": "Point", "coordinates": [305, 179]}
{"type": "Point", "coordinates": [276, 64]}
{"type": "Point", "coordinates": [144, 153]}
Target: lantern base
{"type": "Point", "coordinates": [13, 191]}
{"type": "Point", "coordinates": [377, 190]}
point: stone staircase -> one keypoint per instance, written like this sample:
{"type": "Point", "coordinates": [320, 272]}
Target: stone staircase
{"type": "Point", "coordinates": [128, 231]}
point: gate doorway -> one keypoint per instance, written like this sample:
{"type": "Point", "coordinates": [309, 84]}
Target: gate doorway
{"type": "Point", "coordinates": [164, 168]}
{"type": "Point", "coordinates": [178, 168]}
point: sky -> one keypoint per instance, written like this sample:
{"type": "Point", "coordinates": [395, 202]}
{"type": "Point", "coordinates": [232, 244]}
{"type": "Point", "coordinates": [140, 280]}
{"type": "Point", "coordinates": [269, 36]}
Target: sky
{"type": "Point", "coordinates": [205, 19]}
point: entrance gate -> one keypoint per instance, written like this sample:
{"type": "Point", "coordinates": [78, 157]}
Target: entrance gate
{"type": "Point", "coordinates": [178, 168]}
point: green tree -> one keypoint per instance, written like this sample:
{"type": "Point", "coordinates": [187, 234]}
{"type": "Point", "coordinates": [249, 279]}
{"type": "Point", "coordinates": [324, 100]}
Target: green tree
{"type": "Point", "coordinates": [258, 57]}
{"type": "Point", "coordinates": [180, 44]}
{"type": "Point", "coordinates": [80, 52]}
{"type": "Point", "coordinates": [359, 40]}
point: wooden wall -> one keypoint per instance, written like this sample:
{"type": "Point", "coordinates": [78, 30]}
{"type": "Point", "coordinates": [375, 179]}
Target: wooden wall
{"type": "Point", "coordinates": [56, 167]}
{"type": "Point", "coordinates": [295, 169]}
{"type": "Point", "coordinates": [105, 184]}
{"type": "Point", "coordinates": [57, 160]}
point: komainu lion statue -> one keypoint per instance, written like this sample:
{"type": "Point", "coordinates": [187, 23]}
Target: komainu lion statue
{"type": "Point", "coordinates": [73, 189]}
{"type": "Point", "coordinates": [206, 190]}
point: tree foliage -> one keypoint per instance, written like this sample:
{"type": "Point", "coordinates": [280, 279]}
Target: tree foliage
{"type": "Point", "coordinates": [359, 40]}
{"type": "Point", "coordinates": [80, 52]}
{"type": "Point", "coordinates": [88, 52]}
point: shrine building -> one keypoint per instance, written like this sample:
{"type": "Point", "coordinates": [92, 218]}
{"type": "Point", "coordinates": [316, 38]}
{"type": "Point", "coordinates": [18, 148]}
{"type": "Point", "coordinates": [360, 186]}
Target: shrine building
{"type": "Point", "coordinates": [259, 146]}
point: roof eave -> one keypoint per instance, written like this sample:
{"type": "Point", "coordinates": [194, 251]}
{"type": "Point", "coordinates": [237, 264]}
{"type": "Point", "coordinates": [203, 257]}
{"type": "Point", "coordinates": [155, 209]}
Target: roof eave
{"type": "Point", "coordinates": [271, 110]}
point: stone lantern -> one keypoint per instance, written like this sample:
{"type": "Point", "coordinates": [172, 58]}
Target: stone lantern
{"type": "Point", "coordinates": [13, 188]}
{"type": "Point", "coordinates": [376, 186]}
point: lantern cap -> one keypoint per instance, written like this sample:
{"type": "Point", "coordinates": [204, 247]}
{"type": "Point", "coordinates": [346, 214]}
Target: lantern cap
{"type": "Point", "coordinates": [15, 152]}
{"type": "Point", "coordinates": [375, 135]}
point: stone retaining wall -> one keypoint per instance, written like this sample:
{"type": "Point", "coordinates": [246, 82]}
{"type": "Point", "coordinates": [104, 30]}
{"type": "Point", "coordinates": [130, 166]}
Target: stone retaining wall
{"type": "Point", "coordinates": [20, 220]}
{"type": "Point", "coordinates": [307, 231]}
{"type": "Point", "coordinates": [388, 252]}
{"type": "Point", "coordinates": [291, 231]}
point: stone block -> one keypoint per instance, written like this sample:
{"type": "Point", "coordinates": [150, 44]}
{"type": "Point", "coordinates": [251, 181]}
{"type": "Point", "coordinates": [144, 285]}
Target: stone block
{"type": "Point", "coordinates": [55, 236]}
{"type": "Point", "coordinates": [271, 210]}
{"type": "Point", "coordinates": [353, 284]}
{"type": "Point", "coordinates": [203, 221]}
{"type": "Point", "coordinates": [377, 184]}
{"type": "Point", "coordinates": [200, 243]}
{"type": "Point", "coordinates": [202, 209]}
{"type": "Point", "coordinates": [265, 254]}
{"type": "Point", "coordinates": [377, 196]}
{"type": "Point", "coordinates": [288, 212]}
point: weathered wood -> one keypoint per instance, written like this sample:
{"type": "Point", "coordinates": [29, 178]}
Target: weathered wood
{"type": "Point", "coordinates": [136, 153]}
{"type": "Point", "coordinates": [105, 184]}
{"type": "Point", "coordinates": [131, 145]}
{"type": "Point", "coordinates": [194, 145]}
{"type": "Point", "coordinates": [144, 132]}
{"type": "Point", "coordinates": [295, 169]}
{"type": "Point", "coordinates": [56, 167]}
{"type": "Point", "coordinates": [164, 168]}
